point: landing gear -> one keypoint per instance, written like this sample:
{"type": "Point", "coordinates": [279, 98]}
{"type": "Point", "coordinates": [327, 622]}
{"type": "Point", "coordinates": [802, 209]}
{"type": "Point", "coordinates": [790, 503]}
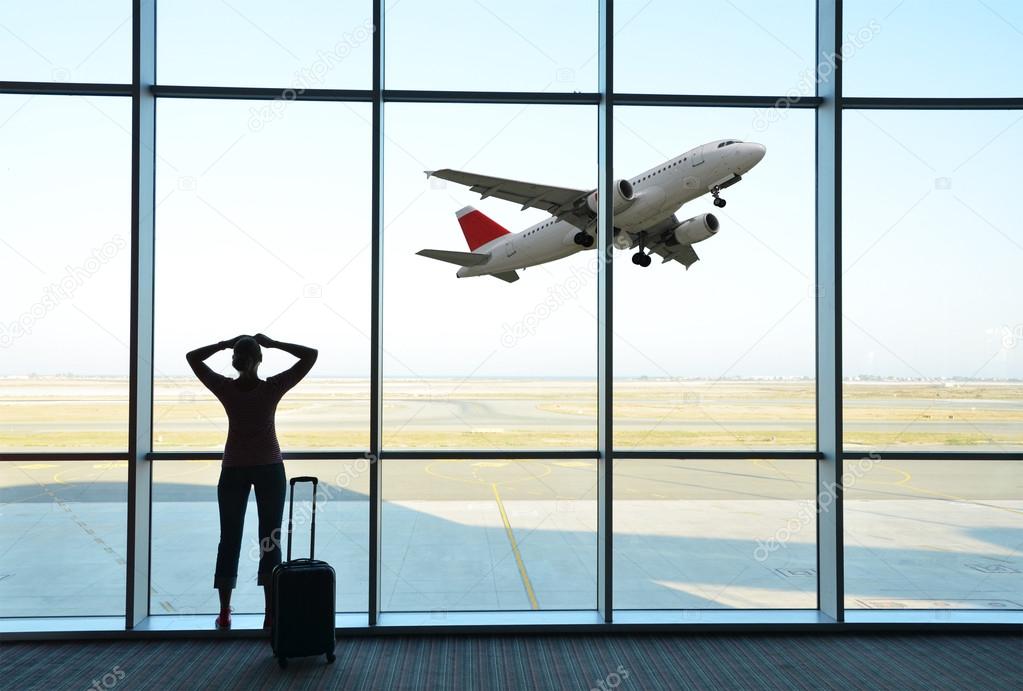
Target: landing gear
{"type": "Point", "coordinates": [641, 258]}
{"type": "Point", "coordinates": [583, 238]}
{"type": "Point", "coordinates": [718, 201]}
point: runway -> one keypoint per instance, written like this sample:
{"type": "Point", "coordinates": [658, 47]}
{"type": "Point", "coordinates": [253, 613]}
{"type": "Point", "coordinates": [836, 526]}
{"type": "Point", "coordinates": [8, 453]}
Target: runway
{"type": "Point", "coordinates": [464, 535]}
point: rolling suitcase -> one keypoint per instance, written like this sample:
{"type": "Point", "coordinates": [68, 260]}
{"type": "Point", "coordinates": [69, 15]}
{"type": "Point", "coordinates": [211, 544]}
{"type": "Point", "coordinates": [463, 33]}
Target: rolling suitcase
{"type": "Point", "coordinates": [303, 599]}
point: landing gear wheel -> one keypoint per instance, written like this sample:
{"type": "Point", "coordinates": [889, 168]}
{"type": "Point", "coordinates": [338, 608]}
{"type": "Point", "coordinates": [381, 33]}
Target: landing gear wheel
{"type": "Point", "coordinates": [330, 658]}
{"type": "Point", "coordinates": [583, 238]}
{"type": "Point", "coordinates": [640, 259]}
{"type": "Point", "coordinates": [283, 662]}
{"type": "Point", "coordinates": [719, 202]}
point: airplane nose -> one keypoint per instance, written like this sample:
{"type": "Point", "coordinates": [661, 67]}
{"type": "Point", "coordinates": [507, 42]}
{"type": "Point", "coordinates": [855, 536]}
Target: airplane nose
{"type": "Point", "coordinates": [756, 151]}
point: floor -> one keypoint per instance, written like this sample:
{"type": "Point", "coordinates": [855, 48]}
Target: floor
{"type": "Point", "coordinates": [605, 662]}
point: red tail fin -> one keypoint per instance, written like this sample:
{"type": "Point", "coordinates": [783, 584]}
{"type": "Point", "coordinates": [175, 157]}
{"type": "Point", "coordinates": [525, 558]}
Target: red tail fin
{"type": "Point", "coordinates": [477, 228]}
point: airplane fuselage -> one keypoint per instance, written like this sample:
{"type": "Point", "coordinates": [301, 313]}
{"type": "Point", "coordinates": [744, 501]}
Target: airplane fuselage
{"type": "Point", "coordinates": [657, 194]}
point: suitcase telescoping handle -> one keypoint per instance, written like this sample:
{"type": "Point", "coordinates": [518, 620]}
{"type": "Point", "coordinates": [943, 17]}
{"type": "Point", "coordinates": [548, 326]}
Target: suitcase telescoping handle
{"type": "Point", "coordinates": [291, 512]}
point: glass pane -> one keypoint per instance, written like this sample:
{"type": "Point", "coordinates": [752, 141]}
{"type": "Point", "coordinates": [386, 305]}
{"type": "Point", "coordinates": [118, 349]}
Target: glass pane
{"type": "Point", "coordinates": [907, 48]}
{"type": "Point", "coordinates": [489, 535]}
{"type": "Point", "coordinates": [66, 266]}
{"type": "Point", "coordinates": [63, 538]}
{"type": "Point", "coordinates": [933, 534]}
{"type": "Point", "coordinates": [720, 354]}
{"type": "Point", "coordinates": [313, 45]}
{"type": "Point", "coordinates": [931, 254]}
{"type": "Point", "coordinates": [718, 534]}
{"type": "Point", "coordinates": [478, 45]}
{"type": "Point", "coordinates": [263, 230]}
{"type": "Point", "coordinates": [478, 362]}
{"type": "Point", "coordinates": [717, 47]}
{"type": "Point", "coordinates": [186, 533]}
{"type": "Point", "coordinates": [66, 41]}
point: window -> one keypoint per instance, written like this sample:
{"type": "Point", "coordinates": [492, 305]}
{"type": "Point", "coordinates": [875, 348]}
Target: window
{"type": "Point", "coordinates": [920, 48]}
{"type": "Point", "coordinates": [262, 225]}
{"type": "Point", "coordinates": [315, 45]}
{"type": "Point", "coordinates": [490, 461]}
{"type": "Point", "coordinates": [185, 548]}
{"type": "Point", "coordinates": [933, 534]}
{"type": "Point", "coordinates": [667, 47]}
{"type": "Point", "coordinates": [702, 359]}
{"type": "Point", "coordinates": [493, 535]}
{"type": "Point", "coordinates": [63, 526]}
{"type": "Point", "coordinates": [67, 41]}
{"type": "Point", "coordinates": [931, 304]}
{"type": "Point", "coordinates": [65, 329]}
{"type": "Point", "coordinates": [487, 45]}
{"type": "Point", "coordinates": [689, 536]}
{"type": "Point", "coordinates": [476, 363]}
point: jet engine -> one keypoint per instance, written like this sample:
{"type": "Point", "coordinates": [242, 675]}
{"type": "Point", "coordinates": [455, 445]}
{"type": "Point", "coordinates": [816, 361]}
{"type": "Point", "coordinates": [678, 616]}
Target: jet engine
{"type": "Point", "coordinates": [623, 197]}
{"type": "Point", "coordinates": [696, 229]}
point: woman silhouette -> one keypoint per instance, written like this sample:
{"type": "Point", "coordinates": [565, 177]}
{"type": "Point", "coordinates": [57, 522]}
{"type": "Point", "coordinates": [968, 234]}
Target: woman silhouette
{"type": "Point", "coordinates": [252, 456]}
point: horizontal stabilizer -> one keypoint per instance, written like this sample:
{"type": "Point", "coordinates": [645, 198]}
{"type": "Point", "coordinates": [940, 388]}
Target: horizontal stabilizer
{"type": "Point", "coordinates": [507, 276]}
{"type": "Point", "coordinates": [459, 258]}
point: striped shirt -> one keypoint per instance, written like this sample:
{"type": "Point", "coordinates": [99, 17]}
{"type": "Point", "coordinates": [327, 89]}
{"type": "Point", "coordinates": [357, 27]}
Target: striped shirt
{"type": "Point", "coordinates": [251, 433]}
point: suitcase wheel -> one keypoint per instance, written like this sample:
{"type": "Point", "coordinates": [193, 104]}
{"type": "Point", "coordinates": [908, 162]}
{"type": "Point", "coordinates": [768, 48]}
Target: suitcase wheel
{"type": "Point", "coordinates": [330, 658]}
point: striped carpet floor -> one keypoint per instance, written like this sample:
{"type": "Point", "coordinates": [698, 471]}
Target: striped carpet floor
{"type": "Point", "coordinates": [606, 662]}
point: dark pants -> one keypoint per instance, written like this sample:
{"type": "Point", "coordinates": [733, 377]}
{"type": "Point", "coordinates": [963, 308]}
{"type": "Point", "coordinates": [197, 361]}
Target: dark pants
{"type": "Point", "coordinates": [233, 495]}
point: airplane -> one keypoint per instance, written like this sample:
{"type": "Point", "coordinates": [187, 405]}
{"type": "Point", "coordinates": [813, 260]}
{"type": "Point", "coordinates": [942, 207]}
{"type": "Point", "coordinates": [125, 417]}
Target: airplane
{"type": "Point", "coordinates": [644, 213]}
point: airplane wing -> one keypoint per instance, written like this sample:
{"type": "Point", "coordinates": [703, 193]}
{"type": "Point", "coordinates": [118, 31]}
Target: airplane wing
{"type": "Point", "coordinates": [565, 203]}
{"type": "Point", "coordinates": [683, 254]}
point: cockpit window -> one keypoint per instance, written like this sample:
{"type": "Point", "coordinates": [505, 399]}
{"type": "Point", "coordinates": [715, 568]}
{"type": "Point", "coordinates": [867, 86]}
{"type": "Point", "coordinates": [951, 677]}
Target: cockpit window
{"type": "Point", "coordinates": [730, 141]}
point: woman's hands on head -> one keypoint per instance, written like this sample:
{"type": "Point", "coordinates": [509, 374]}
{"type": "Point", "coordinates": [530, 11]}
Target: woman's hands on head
{"type": "Point", "coordinates": [261, 339]}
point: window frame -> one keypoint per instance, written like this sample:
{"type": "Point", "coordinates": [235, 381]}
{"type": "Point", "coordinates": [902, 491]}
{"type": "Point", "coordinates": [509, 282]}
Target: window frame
{"type": "Point", "coordinates": [829, 454]}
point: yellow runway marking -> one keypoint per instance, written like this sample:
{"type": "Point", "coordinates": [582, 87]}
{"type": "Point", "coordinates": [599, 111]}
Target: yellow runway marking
{"type": "Point", "coordinates": [515, 549]}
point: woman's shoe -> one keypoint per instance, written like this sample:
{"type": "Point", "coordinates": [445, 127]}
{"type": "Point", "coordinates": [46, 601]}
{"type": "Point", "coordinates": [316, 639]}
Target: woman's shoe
{"type": "Point", "coordinates": [223, 619]}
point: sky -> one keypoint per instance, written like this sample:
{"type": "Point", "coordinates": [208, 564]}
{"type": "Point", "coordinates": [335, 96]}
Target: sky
{"type": "Point", "coordinates": [263, 218]}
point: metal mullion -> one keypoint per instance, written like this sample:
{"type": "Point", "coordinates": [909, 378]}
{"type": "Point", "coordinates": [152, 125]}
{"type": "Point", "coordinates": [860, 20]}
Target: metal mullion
{"type": "Point", "coordinates": [522, 97]}
{"type": "Point", "coordinates": [288, 455]}
{"type": "Point", "coordinates": [376, 319]}
{"type": "Point", "coordinates": [605, 310]}
{"type": "Point", "coordinates": [260, 93]}
{"type": "Point", "coordinates": [828, 271]}
{"type": "Point", "coordinates": [63, 456]}
{"type": "Point", "coordinates": [140, 394]}
{"type": "Point", "coordinates": [668, 454]}
{"type": "Point", "coordinates": [931, 456]}
{"type": "Point", "coordinates": [65, 89]}
{"type": "Point", "coordinates": [713, 101]}
{"type": "Point", "coordinates": [910, 103]}
{"type": "Point", "coordinates": [481, 454]}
